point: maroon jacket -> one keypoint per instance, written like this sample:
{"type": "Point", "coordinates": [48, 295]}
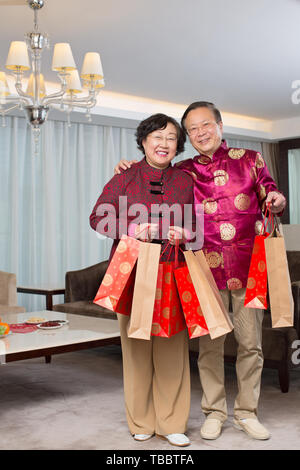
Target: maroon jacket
{"type": "Point", "coordinates": [148, 186]}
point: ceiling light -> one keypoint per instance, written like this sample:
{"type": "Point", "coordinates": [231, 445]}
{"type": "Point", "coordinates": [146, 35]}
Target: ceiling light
{"type": "Point", "coordinates": [35, 101]}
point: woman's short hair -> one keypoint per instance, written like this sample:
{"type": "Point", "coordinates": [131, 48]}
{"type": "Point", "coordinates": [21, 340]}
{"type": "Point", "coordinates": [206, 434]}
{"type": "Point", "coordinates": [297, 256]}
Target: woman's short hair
{"type": "Point", "coordinates": [201, 104]}
{"type": "Point", "coordinates": [155, 122]}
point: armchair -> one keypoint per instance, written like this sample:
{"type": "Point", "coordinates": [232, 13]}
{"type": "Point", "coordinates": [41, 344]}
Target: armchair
{"type": "Point", "coordinates": [8, 294]}
{"type": "Point", "coordinates": [81, 288]}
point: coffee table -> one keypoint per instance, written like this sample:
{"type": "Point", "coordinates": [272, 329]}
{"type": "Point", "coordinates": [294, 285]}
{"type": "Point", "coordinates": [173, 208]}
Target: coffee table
{"type": "Point", "coordinates": [81, 332]}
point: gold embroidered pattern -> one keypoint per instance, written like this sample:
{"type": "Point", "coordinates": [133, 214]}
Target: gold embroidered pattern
{"type": "Point", "coordinates": [227, 231]}
{"type": "Point", "coordinates": [210, 205]}
{"type": "Point", "coordinates": [204, 160]}
{"type": "Point", "coordinates": [213, 259]}
{"type": "Point", "coordinates": [242, 202]}
{"type": "Point", "coordinates": [236, 154]}
{"type": "Point", "coordinates": [258, 227]}
{"type": "Point", "coordinates": [221, 177]}
{"type": "Point", "coordinates": [234, 283]}
{"type": "Point", "coordinates": [262, 191]}
{"type": "Point", "coordinates": [259, 161]}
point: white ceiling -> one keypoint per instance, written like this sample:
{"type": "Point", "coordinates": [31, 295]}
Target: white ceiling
{"type": "Point", "coordinates": [242, 55]}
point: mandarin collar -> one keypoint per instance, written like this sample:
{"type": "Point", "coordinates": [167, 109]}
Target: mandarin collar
{"type": "Point", "coordinates": [153, 172]}
{"type": "Point", "coordinates": [221, 150]}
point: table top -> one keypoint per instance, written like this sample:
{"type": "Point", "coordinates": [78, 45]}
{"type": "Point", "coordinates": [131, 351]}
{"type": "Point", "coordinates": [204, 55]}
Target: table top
{"type": "Point", "coordinates": [42, 289]}
{"type": "Point", "coordinates": [80, 329]}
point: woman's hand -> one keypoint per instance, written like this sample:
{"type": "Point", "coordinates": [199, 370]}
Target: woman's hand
{"type": "Point", "coordinates": [177, 235]}
{"type": "Point", "coordinates": [123, 165]}
{"type": "Point", "coordinates": [146, 232]}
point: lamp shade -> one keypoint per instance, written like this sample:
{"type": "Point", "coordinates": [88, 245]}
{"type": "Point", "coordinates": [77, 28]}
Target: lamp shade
{"type": "Point", "coordinates": [73, 82]}
{"type": "Point", "coordinates": [17, 58]}
{"type": "Point", "coordinates": [4, 90]}
{"type": "Point", "coordinates": [63, 58]}
{"type": "Point", "coordinates": [92, 67]}
{"type": "Point", "coordinates": [30, 86]}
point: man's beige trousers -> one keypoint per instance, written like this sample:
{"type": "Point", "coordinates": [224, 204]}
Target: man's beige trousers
{"type": "Point", "coordinates": [156, 382]}
{"type": "Point", "coordinates": [248, 333]}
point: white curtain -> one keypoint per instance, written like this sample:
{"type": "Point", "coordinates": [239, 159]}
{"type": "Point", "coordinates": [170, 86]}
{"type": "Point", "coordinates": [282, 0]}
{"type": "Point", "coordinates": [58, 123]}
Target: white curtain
{"type": "Point", "coordinates": [245, 144]}
{"type": "Point", "coordinates": [294, 189]}
{"type": "Point", "coordinates": [46, 199]}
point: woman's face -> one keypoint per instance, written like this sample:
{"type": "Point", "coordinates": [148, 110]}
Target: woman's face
{"type": "Point", "coordinates": [160, 146]}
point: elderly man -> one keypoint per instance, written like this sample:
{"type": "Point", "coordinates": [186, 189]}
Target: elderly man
{"type": "Point", "coordinates": [234, 186]}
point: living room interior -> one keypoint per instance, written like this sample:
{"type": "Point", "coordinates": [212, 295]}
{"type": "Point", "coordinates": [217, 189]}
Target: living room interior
{"type": "Point", "coordinates": [157, 57]}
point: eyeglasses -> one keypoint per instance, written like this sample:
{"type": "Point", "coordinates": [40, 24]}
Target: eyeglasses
{"type": "Point", "coordinates": [205, 126]}
{"type": "Point", "coordinates": [160, 138]}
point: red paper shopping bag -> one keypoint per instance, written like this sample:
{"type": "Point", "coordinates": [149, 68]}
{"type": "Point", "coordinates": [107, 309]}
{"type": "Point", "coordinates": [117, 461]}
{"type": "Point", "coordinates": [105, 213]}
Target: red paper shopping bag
{"type": "Point", "coordinates": [116, 290]}
{"type": "Point", "coordinates": [257, 283]}
{"type": "Point", "coordinates": [194, 318]}
{"type": "Point", "coordinates": [168, 318]}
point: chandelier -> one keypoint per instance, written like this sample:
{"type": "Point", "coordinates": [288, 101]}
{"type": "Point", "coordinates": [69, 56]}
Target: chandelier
{"type": "Point", "coordinates": [35, 101]}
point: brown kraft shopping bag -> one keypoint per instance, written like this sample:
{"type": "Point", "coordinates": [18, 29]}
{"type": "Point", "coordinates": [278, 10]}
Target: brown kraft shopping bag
{"type": "Point", "coordinates": [140, 323]}
{"type": "Point", "coordinates": [279, 283]}
{"type": "Point", "coordinates": [214, 311]}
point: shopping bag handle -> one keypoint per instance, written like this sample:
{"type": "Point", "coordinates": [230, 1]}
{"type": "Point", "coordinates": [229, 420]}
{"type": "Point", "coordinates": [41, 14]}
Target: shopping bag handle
{"type": "Point", "coordinates": [177, 248]}
{"type": "Point", "coordinates": [270, 218]}
{"type": "Point", "coordinates": [144, 229]}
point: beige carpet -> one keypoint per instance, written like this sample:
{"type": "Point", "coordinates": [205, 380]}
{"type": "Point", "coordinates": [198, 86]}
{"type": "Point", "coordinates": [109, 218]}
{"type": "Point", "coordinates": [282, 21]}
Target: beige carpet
{"type": "Point", "coordinates": [76, 402]}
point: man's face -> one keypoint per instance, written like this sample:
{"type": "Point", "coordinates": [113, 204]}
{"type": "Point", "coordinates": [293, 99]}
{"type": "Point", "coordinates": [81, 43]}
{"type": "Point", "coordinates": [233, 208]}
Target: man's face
{"type": "Point", "coordinates": [204, 132]}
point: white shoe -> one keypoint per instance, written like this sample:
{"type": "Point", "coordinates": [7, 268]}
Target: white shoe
{"type": "Point", "coordinates": [252, 427]}
{"type": "Point", "coordinates": [142, 437]}
{"type": "Point", "coordinates": [180, 440]}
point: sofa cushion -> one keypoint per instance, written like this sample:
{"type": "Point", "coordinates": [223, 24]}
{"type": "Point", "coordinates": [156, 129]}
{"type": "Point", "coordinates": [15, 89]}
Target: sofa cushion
{"type": "Point", "coordinates": [85, 307]}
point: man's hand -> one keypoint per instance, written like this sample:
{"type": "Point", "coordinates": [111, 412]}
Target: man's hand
{"type": "Point", "coordinates": [123, 165]}
{"type": "Point", "coordinates": [277, 201]}
{"type": "Point", "coordinates": [177, 235]}
{"type": "Point", "coordinates": [146, 232]}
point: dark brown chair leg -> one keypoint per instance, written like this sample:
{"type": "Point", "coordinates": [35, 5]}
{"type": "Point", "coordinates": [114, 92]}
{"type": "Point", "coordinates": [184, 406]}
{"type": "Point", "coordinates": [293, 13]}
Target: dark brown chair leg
{"type": "Point", "coordinates": [284, 376]}
{"type": "Point", "coordinates": [48, 359]}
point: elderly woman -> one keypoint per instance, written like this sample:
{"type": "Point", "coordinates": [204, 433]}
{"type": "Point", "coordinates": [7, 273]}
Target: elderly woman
{"type": "Point", "coordinates": [156, 372]}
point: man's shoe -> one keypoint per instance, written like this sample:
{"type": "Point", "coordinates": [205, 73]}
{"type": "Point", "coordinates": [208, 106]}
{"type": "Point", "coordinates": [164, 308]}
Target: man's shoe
{"type": "Point", "coordinates": [211, 428]}
{"type": "Point", "coordinates": [252, 427]}
{"type": "Point", "coordinates": [180, 440]}
{"type": "Point", "coordinates": [142, 437]}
